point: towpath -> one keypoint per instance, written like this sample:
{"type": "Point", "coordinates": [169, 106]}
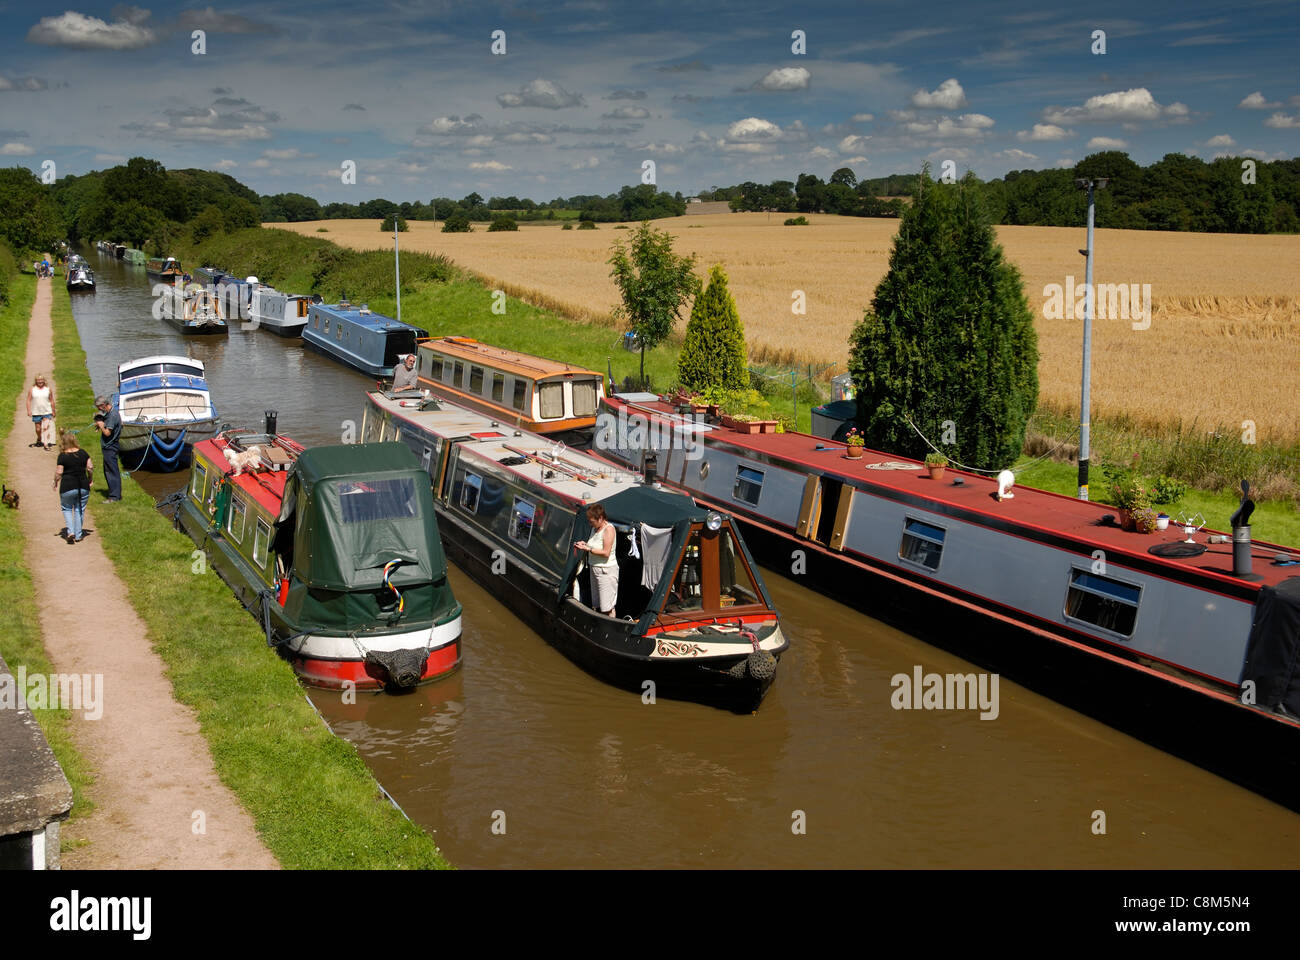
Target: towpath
{"type": "Point", "coordinates": [154, 778]}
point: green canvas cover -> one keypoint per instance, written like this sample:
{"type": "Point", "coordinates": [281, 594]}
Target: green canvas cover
{"type": "Point", "coordinates": [357, 507]}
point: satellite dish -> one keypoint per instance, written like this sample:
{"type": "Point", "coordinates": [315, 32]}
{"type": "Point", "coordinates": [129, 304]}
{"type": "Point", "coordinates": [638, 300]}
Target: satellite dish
{"type": "Point", "coordinates": [1006, 480]}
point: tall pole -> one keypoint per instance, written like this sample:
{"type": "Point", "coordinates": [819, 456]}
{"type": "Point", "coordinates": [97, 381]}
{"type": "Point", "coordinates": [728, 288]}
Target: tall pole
{"type": "Point", "coordinates": [397, 268]}
{"type": "Point", "coordinates": [1084, 410]}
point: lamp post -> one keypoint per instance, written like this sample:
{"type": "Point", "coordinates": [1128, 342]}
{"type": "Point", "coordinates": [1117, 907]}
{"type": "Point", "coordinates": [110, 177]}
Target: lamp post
{"type": "Point", "coordinates": [397, 268]}
{"type": "Point", "coordinates": [1084, 403]}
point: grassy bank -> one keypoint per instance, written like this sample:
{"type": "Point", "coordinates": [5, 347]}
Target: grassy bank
{"type": "Point", "coordinates": [22, 645]}
{"type": "Point", "coordinates": [315, 803]}
{"type": "Point", "coordinates": [446, 300]}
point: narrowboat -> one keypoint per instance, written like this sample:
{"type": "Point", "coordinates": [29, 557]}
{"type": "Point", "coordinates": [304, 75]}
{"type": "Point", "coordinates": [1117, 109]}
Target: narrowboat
{"type": "Point", "coordinates": [334, 550]}
{"type": "Point", "coordinates": [538, 395]}
{"type": "Point", "coordinates": [1181, 637]}
{"type": "Point", "coordinates": [284, 314]}
{"type": "Point", "coordinates": [209, 276]}
{"type": "Point", "coordinates": [193, 309]}
{"type": "Point", "coordinates": [103, 246]}
{"type": "Point", "coordinates": [119, 251]}
{"type": "Point", "coordinates": [79, 277]}
{"type": "Point", "coordinates": [692, 615]}
{"type": "Point", "coordinates": [167, 269]}
{"type": "Point", "coordinates": [365, 341]}
{"type": "Point", "coordinates": [165, 408]}
{"type": "Point", "coordinates": [134, 257]}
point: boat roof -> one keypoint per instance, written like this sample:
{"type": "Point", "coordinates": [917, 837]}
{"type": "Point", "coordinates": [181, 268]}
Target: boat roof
{"type": "Point", "coordinates": [265, 487]}
{"type": "Point", "coordinates": [499, 358]}
{"type": "Point", "coordinates": [1040, 514]}
{"type": "Point", "coordinates": [363, 316]}
{"type": "Point", "coordinates": [161, 358]}
{"type": "Point", "coordinates": [489, 439]}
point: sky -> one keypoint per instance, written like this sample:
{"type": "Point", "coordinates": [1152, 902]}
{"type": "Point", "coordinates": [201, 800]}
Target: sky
{"type": "Point", "coordinates": [579, 95]}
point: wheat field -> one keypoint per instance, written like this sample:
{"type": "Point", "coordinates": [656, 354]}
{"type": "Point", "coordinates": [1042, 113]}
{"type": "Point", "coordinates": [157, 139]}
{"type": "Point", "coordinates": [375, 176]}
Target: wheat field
{"type": "Point", "coordinates": [1223, 345]}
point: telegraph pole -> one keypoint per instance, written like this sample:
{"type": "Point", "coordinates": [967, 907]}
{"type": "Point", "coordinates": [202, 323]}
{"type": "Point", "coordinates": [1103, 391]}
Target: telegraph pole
{"type": "Point", "coordinates": [1085, 399]}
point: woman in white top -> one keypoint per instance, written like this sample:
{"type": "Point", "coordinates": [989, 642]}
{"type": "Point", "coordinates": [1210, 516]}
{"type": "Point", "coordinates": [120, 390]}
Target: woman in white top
{"type": "Point", "coordinates": [601, 559]}
{"type": "Point", "coordinates": [40, 407]}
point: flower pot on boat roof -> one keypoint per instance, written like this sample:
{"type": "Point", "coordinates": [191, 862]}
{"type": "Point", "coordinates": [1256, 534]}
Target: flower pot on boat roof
{"type": "Point", "coordinates": [855, 443]}
{"type": "Point", "coordinates": [936, 463]}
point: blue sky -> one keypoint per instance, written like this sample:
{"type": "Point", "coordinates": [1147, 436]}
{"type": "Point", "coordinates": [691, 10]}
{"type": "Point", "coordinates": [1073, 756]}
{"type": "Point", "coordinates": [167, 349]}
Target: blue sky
{"type": "Point", "coordinates": [587, 90]}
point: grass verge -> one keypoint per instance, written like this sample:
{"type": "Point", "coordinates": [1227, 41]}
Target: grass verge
{"type": "Point", "coordinates": [22, 644]}
{"type": "Point", "coordinates": [314, 801]}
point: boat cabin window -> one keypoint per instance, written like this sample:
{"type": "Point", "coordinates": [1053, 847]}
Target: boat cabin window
{"type": "Point", "coordinates": [552, 401]}
{"type": "Point", "coordinates": [735, 578]}
{"type": "Point", "coordinates": [235, 525]}
{"type": "Point", "coordinates": [398, 344]}
{"type": "Point", "coordinates": [261, 540]}
{"type": "Point", "coordinates": [521, 390]}
{"type": "Point", "coordinates": [499, 387]}
{"type": "Point", "coordinates": [458, 380]}
{"type": "Point", "coordinates": [476, 380]}
{"type": "Point", "coordinates": [749, 485]}
{"type": "Point", "coordinates": [712, 575]}
{"type": "Point", "coordinates": [584, 398]}
{"type": "Point", "coordinates": [326, 328]}
{"type": "Point", "coordinates": [302, 308]}
{"type": "Point", "coordinates": [198, 482]}
{"type": "Point", "coordinates": [150, 369]}
{"type": "Point", "coordinates": [1103, 602]}
{"type": "Point", "coordinates": [469, 491]}
{"type": "Point", "coordinates": [339, 331]}
{"type": "Point", "coordinates": [435, 366]}
{"type": "Point", "coordinates": [521, 521]}
{"type": "Point", "coordinates": [922, 543]}
{"type": "Point", "coordinates": [364, 501]}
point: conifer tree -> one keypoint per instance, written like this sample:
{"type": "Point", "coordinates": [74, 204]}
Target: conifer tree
{"type": "Point", "coordinates": [949, 337]}
{"type": "Point", "coordinates": [714, 352]}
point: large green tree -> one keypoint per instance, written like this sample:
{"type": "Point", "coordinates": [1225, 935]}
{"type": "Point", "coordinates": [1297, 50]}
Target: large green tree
{"type": "Point", "coordinates": [29, 219]}
{"type": "Point", "coordinates": [949, 341]}
{"type": "Point", "coordinates": [714, 352]}
{"type": "Point", "coordinates": [654, 283]}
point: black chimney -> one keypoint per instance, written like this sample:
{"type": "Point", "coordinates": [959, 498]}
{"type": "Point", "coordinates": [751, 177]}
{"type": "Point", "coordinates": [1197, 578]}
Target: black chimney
{"type": "Point", "coordinates": [650, 467]}
{"type": "Point", "coordinates": [271, 417]}
{"type": "Point", "coordinates": [1241, 559]}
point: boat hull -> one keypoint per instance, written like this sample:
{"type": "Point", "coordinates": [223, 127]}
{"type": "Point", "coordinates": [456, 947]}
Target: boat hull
{"type": "Point", "coordinates": [191, 328]}
{"type": "Point", "coordinates": [286, 330]}
{"type": "Point", "coordinates": [326, 661]}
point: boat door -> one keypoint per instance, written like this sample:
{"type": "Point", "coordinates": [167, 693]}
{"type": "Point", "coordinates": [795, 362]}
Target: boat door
{"type": "Point", "coordinates": [824, 511]}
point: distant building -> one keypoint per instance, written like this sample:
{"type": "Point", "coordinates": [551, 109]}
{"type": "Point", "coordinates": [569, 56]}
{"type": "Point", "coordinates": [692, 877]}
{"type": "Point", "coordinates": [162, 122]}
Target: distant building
{"type": "Point", "coordinates": [694, 200]}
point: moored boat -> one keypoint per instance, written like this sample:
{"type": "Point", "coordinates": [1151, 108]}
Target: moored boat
{"type": "Point", "coordinates": [165, 408]}
{"type": "Point", "coordinates": [335, 550]}
{"type": "Point", "coordinates": [167, 269]}
{"type": "Point", "coordinates": [119, 251]}
{"type": "Point", "coordinates": [79, 276]}
{"type": "Point", "coordinates": [365, 341]}
{"type": "Point", "coordinates": [1151, 633]}
{"type": "Point", "coordinates": [284, 314]}
{"type": "Point", "coordinates": [193, 309]}
{"type": "Point", "coordinates": [536, 394]}
{"type": "Point", "coordinates": [134, 257]}
{"type": "Point", "coordinates": [692, 615]}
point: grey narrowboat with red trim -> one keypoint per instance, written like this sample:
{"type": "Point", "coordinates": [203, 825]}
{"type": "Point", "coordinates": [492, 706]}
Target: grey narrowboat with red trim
{"type": "Point", "coordinates": [335, 550]}
{"type": "Point", "coordinates": [1182, 637]}
{"type": "Point", "coordinates": [693, 619]}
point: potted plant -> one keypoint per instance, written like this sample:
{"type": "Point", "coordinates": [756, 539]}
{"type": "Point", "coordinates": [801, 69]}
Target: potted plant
{"type": "Point", "coordinates": [935, 463]}
{"type": "Point", "coordinates": [1130, 495]}
{"type": "Point", "coordinates": [856, 442]}
{"type": "Point", "coordinates": [1145, 520]}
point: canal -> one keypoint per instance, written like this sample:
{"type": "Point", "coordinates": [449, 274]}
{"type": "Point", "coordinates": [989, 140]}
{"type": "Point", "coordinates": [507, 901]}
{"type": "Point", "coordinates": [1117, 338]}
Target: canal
{"type": "Point", "coordinates": [522, 760]}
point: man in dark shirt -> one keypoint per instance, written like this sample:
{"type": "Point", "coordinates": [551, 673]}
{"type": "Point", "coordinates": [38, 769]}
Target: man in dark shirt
{"type": "Point", "coordinates": [109, 425]}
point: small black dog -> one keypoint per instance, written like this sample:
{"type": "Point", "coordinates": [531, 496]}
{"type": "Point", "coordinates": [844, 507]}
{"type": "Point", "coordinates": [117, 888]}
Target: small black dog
{"type": "Point", "coordinates": [10, 497]}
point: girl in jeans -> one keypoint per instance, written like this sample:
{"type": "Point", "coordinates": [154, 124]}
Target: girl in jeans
{"type": "Point", "coordinates": [72, 478]}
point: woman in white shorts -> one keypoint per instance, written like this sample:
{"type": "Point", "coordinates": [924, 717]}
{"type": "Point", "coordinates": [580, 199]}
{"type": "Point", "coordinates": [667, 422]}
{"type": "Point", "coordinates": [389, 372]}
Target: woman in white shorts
{"type": "Point", "coordinates": [600, 557]}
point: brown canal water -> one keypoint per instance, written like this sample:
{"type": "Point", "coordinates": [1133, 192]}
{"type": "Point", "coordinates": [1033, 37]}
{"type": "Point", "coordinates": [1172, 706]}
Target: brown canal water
{"type": "Point", "coordinates": [522, 760]}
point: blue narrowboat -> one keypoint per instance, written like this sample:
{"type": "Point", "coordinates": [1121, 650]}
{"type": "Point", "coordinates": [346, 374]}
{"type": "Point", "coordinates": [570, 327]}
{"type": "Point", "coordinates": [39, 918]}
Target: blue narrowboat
{"type": "Point", "coordinates": [365, 341]}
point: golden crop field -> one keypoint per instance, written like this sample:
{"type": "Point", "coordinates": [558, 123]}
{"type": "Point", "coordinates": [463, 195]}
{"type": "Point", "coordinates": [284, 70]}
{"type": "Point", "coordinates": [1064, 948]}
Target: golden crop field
{"type": "Point", "coordinates": [1222, 347]}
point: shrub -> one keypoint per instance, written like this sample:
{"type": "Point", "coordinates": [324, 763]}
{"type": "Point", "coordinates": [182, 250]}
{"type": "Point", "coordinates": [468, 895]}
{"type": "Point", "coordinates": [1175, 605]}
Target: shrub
{"type": "Point", "coordinates": [321, 230]}
{"type": "Point", "coordinates": [567, 226]}
{"type": "Point", "coordinates": [502, 223]}
{"type": "Point", "coordinates": [587, 225]}
{"type": "Point", "coordinates": [1167, 489]}
{"type": "Point", "coordinates": [621, 226]}
{"type": "Point", "coordinates": [387, 225]}
{"type": "Point", "coordinates": [796, 222]}
{"type": "Point", "coordinates": [714, 350]}
{"type": "Point", "coordinates": [456, 223]}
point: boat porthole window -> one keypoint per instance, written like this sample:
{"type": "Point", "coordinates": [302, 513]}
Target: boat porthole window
{"type": "Point", "coordinates": [1102, 602]}
{"type": "Point", "coordinates": [520, 392]}
{"type": "Point", "coordinates": [749, 485]}
{"type": "Point", "coordinates": [235, 525]}
{"type": "Point", "coordinates": [261, 540]}
{"type": "Point", "coordinates": [476, 380]}
{"type": "Point", "coordinates": [704, 469]}
{"type": "Point", "coordinates": [498, 387]}
{"type": "Point", "coordinates": [200, 480]}
{"type": "Point", "coordinates": [426, 458]}
{"type": "Point", "coordinates": [327, 324]}
{"type": "Point", "coordinates": [922, 543]}
{"type": "Point", "coordinates": [469, 491]}
{"type": "Point", "coordinates": [521, 521]}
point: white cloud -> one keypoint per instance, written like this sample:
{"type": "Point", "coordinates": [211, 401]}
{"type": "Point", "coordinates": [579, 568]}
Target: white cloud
{"type": "Point", "coordinates": [1044, 131]}
{"type": "Point", "coordinates": [451, 125]}
{"type": "Point", "coordinates": [237, 119]}
{"type": "Point", "coordinates": [292, 153]}
{"type": "Point", "coordinates": [589, 164]}
{"type": "Point", "coordinates": [852, 143]}
{"type": "Point", "coordinates": [967, 126]}
{"type": "Point", "coordinates": [1256, 101]}
{"type": "Point", "coordinates": [261, 163]}
{"type": "Point", "coordinates": [15, 149]}
{"type": "Point", "coordinates": [1122, 105]}
{"type": "Point", "coordinates": [1106, 143]}
{"type": "Point", "coordinates": [785, 78]}
{"type": "Point", "coordinates": [541, 93]}
{"type": "Point", "coordinates": [821, 153]}
{"type": "Point", "coordinates": [753, 128]}
{"type": "Point", "coordinates": [1280, 121]}
{"type": "Point", "coordinates": [861, 118]}
{"type": "Point", "coordinates": [225, 164]}
{"type": "Point", "coordinates": [22, 84]}
{"type": "Point", "coordinates": [1015, 153]}
{"type": "Point", "coordinates": [1222, 140]}
{"type": "Point", "coordinates": [490, 165]}
{"type": "Point", "coordinates": [949, 96]}
{"type": "Point", "coordinates": [110, 159]}
{"type": "Point", "coordinates": [627, 113]}
{"type": "Point", "coordinates": [72, 29]}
